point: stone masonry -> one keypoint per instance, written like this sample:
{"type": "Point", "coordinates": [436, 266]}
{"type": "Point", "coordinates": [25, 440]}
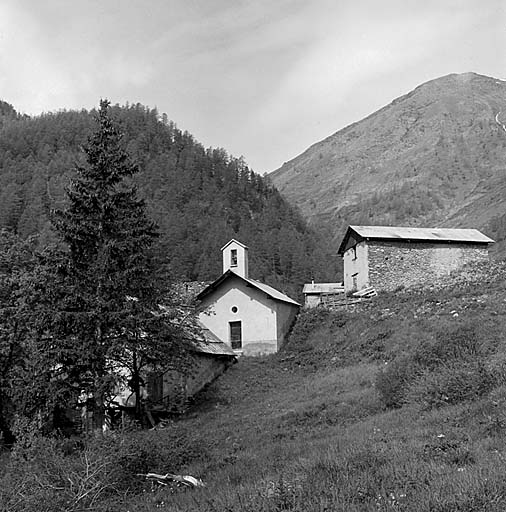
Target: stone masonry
{"type": "Point", "coordinates": [405, 264]}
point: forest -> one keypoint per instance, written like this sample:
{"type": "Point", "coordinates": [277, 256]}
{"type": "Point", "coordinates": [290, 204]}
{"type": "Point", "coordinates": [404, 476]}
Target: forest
{"type": "Point", "coordinates": [103, 214]}
{"type": "Point", "coordinates": [200, 198]}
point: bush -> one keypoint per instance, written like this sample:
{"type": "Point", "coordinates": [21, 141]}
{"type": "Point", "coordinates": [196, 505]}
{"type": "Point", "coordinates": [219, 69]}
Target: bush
{"type": "Point", "coordinates": [40, 476]}
{"type": "Point", "coordinates": [393, 381]}
{"type": "Point", "coordinates": [450, 385]}
{"type": "Point", "coordinates": [445, 370]}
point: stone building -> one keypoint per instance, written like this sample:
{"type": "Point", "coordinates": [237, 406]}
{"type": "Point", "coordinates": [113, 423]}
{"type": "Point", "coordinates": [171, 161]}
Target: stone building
{"type": "Point", "coordinates": [318, 294]}
{"type": "Point", "coordinates": [389, 257]}
{"type": "Point", "coordinates": [251, 317]}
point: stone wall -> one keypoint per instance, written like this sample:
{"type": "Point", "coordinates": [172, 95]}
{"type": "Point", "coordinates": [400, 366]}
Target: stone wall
{"type": "Point", "coordinates": [392, 265]}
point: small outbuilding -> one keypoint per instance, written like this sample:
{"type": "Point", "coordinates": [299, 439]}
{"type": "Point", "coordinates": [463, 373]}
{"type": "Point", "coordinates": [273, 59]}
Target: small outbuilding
{"type": "Point", "coordinates": [171, 389]}
{"type": "Point", "coordinates": [385, 257]}
{"type": "Point", "coordinates": [319, 294]}
{"type": "Point", "coordinates": [251, 317]}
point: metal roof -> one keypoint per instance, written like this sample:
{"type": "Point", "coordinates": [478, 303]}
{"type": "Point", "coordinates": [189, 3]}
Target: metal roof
{"type": "Point", "coordinates": [323, 288]}
{"type": "Point", "coordinates": [214, 348]}
{"type": "Point", "coordinates": [269, 290]}
{"type": "Point", "coordinates": [418, 234]}
{"type": "Point", "coordinates": [211, 344]}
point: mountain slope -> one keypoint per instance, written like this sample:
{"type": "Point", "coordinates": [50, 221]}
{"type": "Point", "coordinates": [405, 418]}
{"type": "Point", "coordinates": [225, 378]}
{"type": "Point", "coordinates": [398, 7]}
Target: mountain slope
{"type": "Point", "coordinates": [200, 198]}
{"type": "Point", "coordinates": [434, 157]}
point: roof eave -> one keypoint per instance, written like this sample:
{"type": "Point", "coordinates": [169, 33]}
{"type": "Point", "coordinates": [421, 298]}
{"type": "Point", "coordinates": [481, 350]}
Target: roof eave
{"type": "Point", "coordinates": [249, 282]}
{"type": "Point", "coordinates": [231, 241]}
{"type": "Point", "coordinates": [342, 246]}
{"type": "Point", "coordinates": [210, 288]}
{"type": "Point", "coordinates": [429, 240]}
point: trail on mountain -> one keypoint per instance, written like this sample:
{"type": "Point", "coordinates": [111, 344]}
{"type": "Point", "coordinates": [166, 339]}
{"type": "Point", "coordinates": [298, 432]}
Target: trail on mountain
{"type": "Point", "coordinates": [499, 122]}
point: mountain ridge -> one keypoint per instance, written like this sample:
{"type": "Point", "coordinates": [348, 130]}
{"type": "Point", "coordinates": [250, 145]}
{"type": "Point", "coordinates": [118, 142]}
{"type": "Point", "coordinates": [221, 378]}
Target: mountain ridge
{"type": "Point", "coordinates": [431, 157]}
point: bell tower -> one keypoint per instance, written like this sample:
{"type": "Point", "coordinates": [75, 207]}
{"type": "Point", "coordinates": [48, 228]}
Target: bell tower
{"type": "Point", "coordinates": [235, 258]}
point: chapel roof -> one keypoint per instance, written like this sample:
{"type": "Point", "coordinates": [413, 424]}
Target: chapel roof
{"type": "Point", "coordinates": [269, 290]}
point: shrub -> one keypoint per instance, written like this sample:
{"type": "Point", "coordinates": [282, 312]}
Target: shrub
{"type": "Point", "coordinates": [45, 479]}
{"type": "Point", "coordinates": [48, 479]}
{"type": "Point", "coordinates": [445, 370]}
{"type": "Point", "coordinates": [392, 382]}
{"type": "Point", "coordinates": [451, 384]}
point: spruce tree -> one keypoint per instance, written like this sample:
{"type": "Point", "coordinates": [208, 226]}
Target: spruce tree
{"type": "Point", "coordinates": [107, 323]}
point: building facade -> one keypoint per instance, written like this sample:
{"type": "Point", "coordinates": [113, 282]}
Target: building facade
{"type": "Point", "coordinates": [387, 258]}
{"type": "Point", "coordinates": [251, 317]}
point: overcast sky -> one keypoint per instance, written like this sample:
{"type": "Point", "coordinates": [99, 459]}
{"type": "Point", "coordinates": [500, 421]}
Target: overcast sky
{"type": "Point", "coordinates": [262, 78]}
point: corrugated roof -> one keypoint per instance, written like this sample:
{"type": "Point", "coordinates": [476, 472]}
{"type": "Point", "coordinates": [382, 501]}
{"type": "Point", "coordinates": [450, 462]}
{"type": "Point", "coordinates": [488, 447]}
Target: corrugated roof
{"type": "Point", "coordinates": [218, 349]}
{"type": "Point", "coordinates": [269, 290]}
{"type": "Point", "coordinates": [211, 344]}
{"type": "Point", "coordinates": [446, 234]}
{"type": "Point", "coordinates": [426, 234]}
{"type": "Point", "coordinates": [323, 288]}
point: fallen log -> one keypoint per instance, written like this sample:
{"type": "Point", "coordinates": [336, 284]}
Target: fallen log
{"type": "Point", "coordinates": [186, 480]}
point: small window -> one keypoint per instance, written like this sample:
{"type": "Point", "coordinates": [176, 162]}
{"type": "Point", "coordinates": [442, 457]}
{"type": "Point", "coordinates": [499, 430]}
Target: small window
{"type": "Point", "coordinates": [234, 309]}
{"type": "Point", "coordinates": [354, 280]}
{"type": "Point", "coordinates": [235, 335]}
{"type": "Point", "coordinates": [354, 253]}
{"type": "Point", "coordinates": [233, 258]}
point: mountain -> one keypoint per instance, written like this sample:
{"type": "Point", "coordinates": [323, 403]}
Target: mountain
{"type": "Point", "coordinates": [434, 157]}
{"type": "Point", "coordinates": [200, 198]}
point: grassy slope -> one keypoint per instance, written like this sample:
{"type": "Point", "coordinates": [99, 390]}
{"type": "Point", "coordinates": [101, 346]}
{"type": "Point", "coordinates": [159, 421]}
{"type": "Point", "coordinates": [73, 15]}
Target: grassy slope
{"type": "Point", "coordinates": [306, 429]}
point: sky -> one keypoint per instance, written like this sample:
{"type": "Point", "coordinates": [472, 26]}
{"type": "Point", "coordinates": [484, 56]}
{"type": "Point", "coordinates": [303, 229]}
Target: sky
{"type": "Point", "coordinates": [264, 79]}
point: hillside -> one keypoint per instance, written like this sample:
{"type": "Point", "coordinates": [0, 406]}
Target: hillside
{"type": "Point", "coordinates": [434, 157]}
{"type": "Point", "coordinates": [200, 198]}
{"type": "Point", "coordinates": [397, 406]}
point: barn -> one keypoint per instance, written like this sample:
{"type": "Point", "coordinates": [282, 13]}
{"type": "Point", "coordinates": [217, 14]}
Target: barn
{"type": "Point", "coordinates": [387, 257]}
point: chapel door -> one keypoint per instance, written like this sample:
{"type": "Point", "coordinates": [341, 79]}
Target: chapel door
{"type": "Point", "coordinates": [235, 335]}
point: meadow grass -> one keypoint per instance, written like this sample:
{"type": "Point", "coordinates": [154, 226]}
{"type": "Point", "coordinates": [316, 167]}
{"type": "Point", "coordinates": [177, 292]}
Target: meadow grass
{"type": "Point", "coordinates": [399, 406]}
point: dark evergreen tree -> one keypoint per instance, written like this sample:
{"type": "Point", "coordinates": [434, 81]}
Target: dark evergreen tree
{"type": "Point", "coordinates": [16, 263]}
{"type": "Point", "coordinates": [105, 322]}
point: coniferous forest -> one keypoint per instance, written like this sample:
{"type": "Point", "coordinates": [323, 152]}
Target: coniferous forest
{"type": "Point", "coordinates": [200, 198]}
{"type": "Point", "coordinates": [100, 213]}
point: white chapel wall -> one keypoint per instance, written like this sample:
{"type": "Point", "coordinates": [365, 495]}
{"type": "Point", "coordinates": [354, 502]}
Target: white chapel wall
{"type": "Point", "coordinates": [255, 311]}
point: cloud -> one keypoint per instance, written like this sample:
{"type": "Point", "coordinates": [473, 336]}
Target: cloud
{"type": "Point", "coordinates": [46, 64]}
{"type": "Point", "coordinates": [261, 78]}
{"type": "Point", "coordinates": [29, 77]}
